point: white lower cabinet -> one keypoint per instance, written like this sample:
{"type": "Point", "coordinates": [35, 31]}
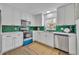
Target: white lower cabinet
{"type": "Point", "coordinates": [56, 42]}
{"type": "Point", "coordinates": [34, 35]}
{"type": "Point", "coordinates": [65, 42]}
{"type": "Point", "coordinates": [50, 39]}
{"type": "Point", "coordinates": [11, 41]}
{"type": "Point", "coordinates": [7, 43]}
{"type": "Point", "coordinates": [72, 45]}
{"type": "Point", "coordinates": [17, 39]}
{"type": "Point", "coordinates": [44, 37]}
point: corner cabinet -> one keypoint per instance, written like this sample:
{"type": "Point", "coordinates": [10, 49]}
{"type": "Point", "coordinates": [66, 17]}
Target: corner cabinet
{"type": "Point", "coordinates": [66, 15]}
{"type": "Point", "coordinates": [46, 38]}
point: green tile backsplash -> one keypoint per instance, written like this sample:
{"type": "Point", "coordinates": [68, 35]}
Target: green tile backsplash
{"type": "Point", "coordinates": [32, 28]}
{"type": "Point", "coordinates": [72, 27]}
{"type": "Point", "coordinates": [10, 28]}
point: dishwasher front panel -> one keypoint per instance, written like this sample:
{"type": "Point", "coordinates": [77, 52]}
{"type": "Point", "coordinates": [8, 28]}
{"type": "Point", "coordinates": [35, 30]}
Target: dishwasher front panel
{"type": "Point", "coordinates": [62, 42]}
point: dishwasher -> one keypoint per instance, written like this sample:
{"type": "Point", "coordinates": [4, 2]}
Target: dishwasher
{"type": "Point", "coordinates": [62, 42]}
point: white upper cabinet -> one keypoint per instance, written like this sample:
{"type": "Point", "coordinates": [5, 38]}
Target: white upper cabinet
{"type": "Point", "coordinates": [69, 14]}
{"type": "Point", "coordinates": [16, 17]}
{"type": "Point", "coordinates": [65, 14]}
{"type": "Point", "coordinates": [10, 16]}
{"type": "Point", "coordinates": [6, 15]}
{"type": "Point", "coordinates": [60, 15]}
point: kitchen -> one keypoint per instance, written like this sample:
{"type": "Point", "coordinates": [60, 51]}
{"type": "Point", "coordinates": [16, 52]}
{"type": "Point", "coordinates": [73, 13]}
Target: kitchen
{"type": "Point", "coordinates": [39, 29]}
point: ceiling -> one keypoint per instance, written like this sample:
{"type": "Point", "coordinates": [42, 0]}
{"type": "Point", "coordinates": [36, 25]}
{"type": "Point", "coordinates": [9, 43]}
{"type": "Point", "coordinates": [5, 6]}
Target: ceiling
{"type": "Point", "coordinates": [34, 8]}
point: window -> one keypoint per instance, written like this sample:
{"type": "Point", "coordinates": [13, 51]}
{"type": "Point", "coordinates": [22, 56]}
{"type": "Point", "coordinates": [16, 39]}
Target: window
{"type": "Point", "coordinates": [50, 20]}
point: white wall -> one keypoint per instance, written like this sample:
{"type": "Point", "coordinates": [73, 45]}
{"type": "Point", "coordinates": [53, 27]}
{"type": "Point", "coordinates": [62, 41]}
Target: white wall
{"type": "Point", "coordinates": [12, 16]}
{"type": "Point", "coordinates": [29, 17]}
{"type": "Point", "coordinates": [38, 19]}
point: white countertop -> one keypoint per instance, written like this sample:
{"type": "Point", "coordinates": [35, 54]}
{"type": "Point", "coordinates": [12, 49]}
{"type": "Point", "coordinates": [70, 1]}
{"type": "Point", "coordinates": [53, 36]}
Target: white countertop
{"type": "Point", "coordinates": [64, 33]}
{"type": "Point", "coordinates": [61, 33]}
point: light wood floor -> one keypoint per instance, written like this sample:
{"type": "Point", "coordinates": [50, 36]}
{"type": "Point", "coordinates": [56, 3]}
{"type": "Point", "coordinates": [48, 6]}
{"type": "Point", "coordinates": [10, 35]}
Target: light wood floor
{"type": "Point", "coordinates": [35, 49]}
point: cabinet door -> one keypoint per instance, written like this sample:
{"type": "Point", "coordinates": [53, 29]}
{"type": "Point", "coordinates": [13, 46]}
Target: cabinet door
{"type": "Point", "coordinates": [60, 15]}
{"type": "Point", "coordinates": [38, 36]}
{"type": "Point", "coordinates": [56, 41]}
{"type": "Point", "coordinates": [50, 39]}
{"type": "Point", "coordinates": [34, 36]}
{"type": "Point", "coordinates": [69, 14]}
{"type": "Point", "coordinates": [6, 15]}
{"type": "Point", "coordinates": [16, 19]}
{"type": "Point", "coordinates": [73, 46]}
{"type": "Point", "coordinates": [45, 38]}
{"type": "Point", "coordinates": [16, 42]}
{"type": "Point", "coordinates": [18, 39]}
{"type": "Point", "coordinates": [7, 43]}
{"type": "Point", "coordinates": [20, 36]}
